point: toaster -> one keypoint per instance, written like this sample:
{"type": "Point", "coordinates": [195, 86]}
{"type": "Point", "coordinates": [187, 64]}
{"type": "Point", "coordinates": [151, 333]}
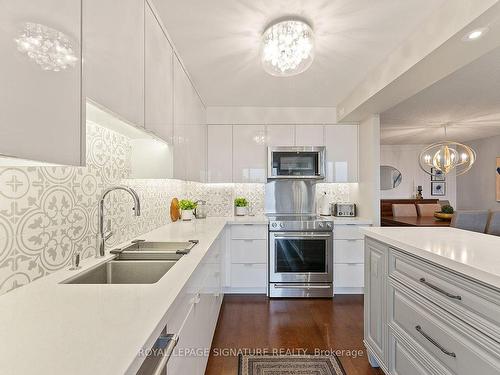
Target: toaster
{"type": "Point", "coordinates": [344, 209]}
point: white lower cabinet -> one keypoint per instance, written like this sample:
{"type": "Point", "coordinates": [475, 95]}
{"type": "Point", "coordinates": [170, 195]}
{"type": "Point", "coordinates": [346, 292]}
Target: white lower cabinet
{"type": "Point", "coordinates": [419, 318]}
{"type": "Point", "coordinates": [404, 360]}
{"type": "Point", "coordinates": [348, 259]}
{"type": "Point", "coordinates": [349, 275]}
{"type": "Point", "coordinates": [247, 260]}
{"type": "Point", "coordinates": [193, 315]}
{"type": "Point", "coordinates": [251, 276]}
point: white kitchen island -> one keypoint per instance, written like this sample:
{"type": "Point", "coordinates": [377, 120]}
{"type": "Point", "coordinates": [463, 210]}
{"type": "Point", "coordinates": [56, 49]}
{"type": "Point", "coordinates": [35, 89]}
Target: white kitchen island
{"type": "Point", "coordinates": [432, 301]}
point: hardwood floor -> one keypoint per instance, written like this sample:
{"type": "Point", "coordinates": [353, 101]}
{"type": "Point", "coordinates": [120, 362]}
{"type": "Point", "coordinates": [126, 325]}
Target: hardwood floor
{"type": "Point", "coordinates": [251, 322]}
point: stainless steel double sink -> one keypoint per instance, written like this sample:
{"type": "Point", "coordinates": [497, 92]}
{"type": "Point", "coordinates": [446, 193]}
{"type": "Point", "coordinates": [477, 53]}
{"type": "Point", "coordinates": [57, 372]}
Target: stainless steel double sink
{"type": "Point", "coordinates": [139, 263]}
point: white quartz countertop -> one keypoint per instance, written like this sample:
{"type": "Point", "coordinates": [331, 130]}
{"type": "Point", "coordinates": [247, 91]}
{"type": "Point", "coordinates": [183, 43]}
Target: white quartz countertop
{"type": "Point", "coordinates": [471, 254]}
{"type": "Point", "coordinates": [52, 328]}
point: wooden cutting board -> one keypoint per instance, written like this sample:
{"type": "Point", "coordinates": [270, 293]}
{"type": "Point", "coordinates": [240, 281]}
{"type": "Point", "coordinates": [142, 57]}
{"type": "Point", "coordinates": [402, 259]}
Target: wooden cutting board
{"type": "Point", "coordinates": [175, 212]}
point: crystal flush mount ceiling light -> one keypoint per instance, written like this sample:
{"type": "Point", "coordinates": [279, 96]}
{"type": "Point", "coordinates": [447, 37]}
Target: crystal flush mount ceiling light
{"type": "Point", "coordinates": [47, 47]}
{"type": "Point", "coordinates": [287, 48]}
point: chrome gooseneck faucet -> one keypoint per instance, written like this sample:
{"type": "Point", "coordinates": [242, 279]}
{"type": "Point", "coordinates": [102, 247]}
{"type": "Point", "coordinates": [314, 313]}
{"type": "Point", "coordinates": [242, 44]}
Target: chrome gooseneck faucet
{"type": "Point", "coordinates": [102, 236]}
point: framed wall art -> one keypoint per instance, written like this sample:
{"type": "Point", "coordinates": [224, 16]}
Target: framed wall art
{"type": "Point", "coordinates": [438, 188]}
{"type": "Point", "coordinates": [437, 175]}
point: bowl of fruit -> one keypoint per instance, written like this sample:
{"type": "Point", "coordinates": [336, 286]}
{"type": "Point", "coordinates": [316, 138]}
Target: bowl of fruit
{"type": "Point", "coordinates": [445, 214]}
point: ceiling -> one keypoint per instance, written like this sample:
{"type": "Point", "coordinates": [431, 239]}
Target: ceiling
{"type": "Point", "coordinates": [219, 44]}
{"type": "Point", "coordinates": [467, 100]}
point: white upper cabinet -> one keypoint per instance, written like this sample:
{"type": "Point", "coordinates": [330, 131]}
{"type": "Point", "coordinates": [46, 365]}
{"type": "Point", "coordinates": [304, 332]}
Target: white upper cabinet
{"type": "Point", "coordinates": [220, 153]}
{"type": "Point", "coordinates": [309, 135]}
{"type": "Point", "coordinates": [41, 104]}
{"type": "Point", "coordinates": [341, 143]}
{"type": "Point", "coordinates": [114, 56]}
{"type": "Point", "coordinates": [181, 146]}
{"type": "Point", "coordinates": [196, 153]}
{"type": "Point", "coordinates": [158, 79]}
{"type": "Point", "coordinates": [249, 153]}
{"type": "Point", "coordinates": [280, 135]}
{"type": "Point", "coordinates": [189, 129]}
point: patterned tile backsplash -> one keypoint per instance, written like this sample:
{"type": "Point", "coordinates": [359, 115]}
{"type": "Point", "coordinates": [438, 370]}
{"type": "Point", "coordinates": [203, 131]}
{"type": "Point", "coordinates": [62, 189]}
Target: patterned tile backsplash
{"type": "Point", "coordinates": [48, 213]}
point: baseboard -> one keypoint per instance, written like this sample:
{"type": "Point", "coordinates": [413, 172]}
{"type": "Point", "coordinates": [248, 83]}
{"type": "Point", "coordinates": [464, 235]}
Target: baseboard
{"type": "Point", "coordinates": [230, 290]}
{"type": "Point", "coordinates": [348, 290]}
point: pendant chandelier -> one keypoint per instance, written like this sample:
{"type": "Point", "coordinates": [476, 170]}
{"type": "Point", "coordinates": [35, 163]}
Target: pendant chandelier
{"type": "Point", "coordinates": [287, 48]}
{"type": "Point", "coordinates": [445, 157]}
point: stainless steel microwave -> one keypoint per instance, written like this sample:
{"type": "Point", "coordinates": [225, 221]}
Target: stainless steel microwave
{"type": "Point", "coordinates": [296, 162]}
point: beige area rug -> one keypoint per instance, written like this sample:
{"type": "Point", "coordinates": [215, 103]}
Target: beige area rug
{"type": "Point", "coordinates": [289, 365]}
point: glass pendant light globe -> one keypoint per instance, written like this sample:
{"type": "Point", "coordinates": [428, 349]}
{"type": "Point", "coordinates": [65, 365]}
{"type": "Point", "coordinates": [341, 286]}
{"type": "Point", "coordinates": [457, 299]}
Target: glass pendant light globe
{"type": "Point", "coordinates": [287, 48]}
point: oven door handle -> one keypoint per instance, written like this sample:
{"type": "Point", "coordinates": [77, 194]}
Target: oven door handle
{"type": "Point", "coordinates": [299, 236]}
{"type": "Point", "coordinates": [294, 286]}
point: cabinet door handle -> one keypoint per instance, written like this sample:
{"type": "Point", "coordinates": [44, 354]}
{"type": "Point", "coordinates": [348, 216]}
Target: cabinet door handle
{"type": "Point", "coordinates": [166, 353]}
{"type": "Point", "coordinates": [434, 342]}
{"type": "Point", "coordinates": [438, 289]}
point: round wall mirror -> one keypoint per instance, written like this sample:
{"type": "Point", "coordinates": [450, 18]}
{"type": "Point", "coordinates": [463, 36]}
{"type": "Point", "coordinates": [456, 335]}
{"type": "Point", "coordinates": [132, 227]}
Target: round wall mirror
{"type": "Point", "coordinates": [390, 177]}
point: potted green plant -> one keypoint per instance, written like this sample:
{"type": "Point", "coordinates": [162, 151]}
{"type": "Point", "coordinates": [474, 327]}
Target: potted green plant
{"type": "Point", "coordinates": [187, 206]}
{"type": "Point", "coordinates": [446, 212]}
{"type": "Point", "coordinates": [241, 205]}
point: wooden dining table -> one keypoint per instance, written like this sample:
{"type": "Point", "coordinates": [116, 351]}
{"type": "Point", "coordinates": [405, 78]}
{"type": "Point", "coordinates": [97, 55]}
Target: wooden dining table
{"type": "Point", "coordinates": [413, 221]}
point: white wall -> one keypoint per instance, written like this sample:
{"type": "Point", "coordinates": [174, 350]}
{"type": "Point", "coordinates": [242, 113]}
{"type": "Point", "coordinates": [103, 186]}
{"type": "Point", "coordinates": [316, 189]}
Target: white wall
{"type": "Point", "coordinates": [405, 159]}
{"type": "Point", "coordinates": [476, 188]}
{"type": "Point", "coordinates": [271, 115]}
{"type": "Point", "coordinates": [369, 168]}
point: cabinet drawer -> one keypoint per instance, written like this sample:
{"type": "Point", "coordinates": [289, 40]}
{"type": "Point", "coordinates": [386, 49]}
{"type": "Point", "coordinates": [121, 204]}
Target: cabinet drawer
{"type": "Point", "coordinates": [452, 343]}
{"type": "Point", "coordinates": [348, 275]}
{"type": "Point", "coordinates": [248, 275]}
{"type": "Point", "coordinates": [248, 232]}
{"type": "Point", "coordinates": [472, 302]}
{"type": "Point", "coordinates": [213, 255]}
{"type": "Point", "coordinates": [404, 361]}
{"type": "Point", "coordinates": [348, 232]}
{"type": "Point", "coordinates": [348, 251]}
{"type": "Point", "coordinates": [248, 251]}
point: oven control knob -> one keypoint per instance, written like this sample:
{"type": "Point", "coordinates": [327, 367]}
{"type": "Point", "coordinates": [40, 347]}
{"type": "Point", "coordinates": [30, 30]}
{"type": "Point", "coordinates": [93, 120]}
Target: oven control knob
{"type": "Point", "coordinates": [282, 225]}
{"type": "Point", "coordinates": [329, 225]}
{"type": "Point", "coordinates": [274, 225]}
{"type": "Point", "coordinates": [320, 225]}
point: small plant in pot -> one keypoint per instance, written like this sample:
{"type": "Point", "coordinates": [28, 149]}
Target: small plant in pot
{"type": "Point", "coordinates": [241, 206]}
{"type": "Point", "coordinates": [446, 212]}
{"type": "Point", "coordinates": [187, 206]}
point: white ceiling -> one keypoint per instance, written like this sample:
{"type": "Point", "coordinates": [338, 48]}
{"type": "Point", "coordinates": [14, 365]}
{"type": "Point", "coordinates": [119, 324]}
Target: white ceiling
{"type": "Point", "coordinates": [467, 100]}
{"type": "Point", "coordinates": [219, 43]}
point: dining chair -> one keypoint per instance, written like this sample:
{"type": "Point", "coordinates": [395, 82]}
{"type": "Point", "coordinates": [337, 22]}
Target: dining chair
{"type": "Point", "coordinates": [399, 209]}
{"type": "Point", "coordinates": [474, 221]}
{"type": "Point", "coordinates": [494, 224]}
{"type": "Point", "coordinates": [427, 209]}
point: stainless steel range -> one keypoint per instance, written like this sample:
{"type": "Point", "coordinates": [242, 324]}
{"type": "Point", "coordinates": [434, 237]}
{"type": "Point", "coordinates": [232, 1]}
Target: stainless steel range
{"type": "Point", "coordinates": [300, 242]}
{"type": "Point", "coordinates": [300, 256]}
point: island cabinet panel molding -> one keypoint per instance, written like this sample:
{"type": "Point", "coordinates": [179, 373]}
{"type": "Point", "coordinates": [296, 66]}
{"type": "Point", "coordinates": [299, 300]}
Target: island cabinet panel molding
{"type": "Point", "coordinates": [41, 104]}
{"type": "Point", "coordinates": [440, 311]}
